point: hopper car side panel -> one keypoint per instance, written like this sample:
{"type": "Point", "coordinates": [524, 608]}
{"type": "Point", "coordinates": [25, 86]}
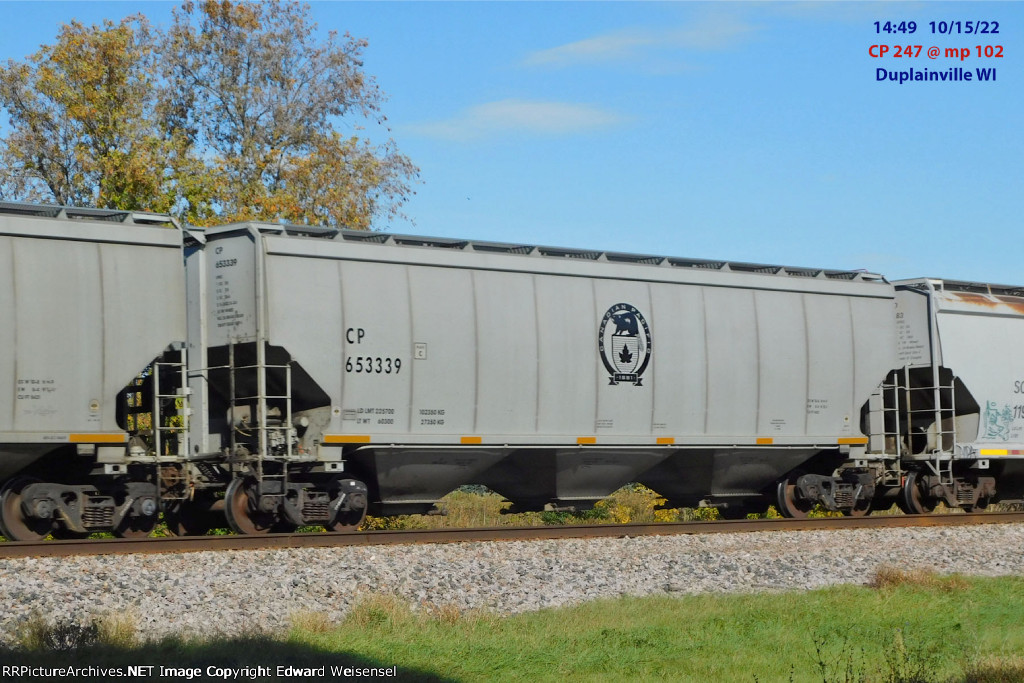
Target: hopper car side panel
{"type": "Point", "coordinates": [516, 355]}
{"type": "Point", "coordinates": [625, 408]}
{"type": "Point", "coordinates": [832, 367]}
{"type": "Point", "coordinates": [375, 303]}
{"type": "Point", "coordinates": [92, 299]}
{"type": "Point", "coordinates": [782, 380]}
{"type": "Point", "coordinates": [681, 391]}
{"type": "Point", "coordinates": [440, 305]}
{"type": "Point", "coordinates": [56, 311]}
{"type": "Point", "coordinates": [984, 348]}
{"type": "Point", "coordinates": [732, 385]}
{"type": "Point", "coordinates": [87, 317]}
{"type": "Point", "coordinates": [507, 396]}
{"type": "Point", "coordinates": [498, 340]}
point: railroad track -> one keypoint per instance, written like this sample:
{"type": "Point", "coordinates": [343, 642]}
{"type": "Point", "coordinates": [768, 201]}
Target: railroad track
{"type": "Point", "coordinates": [121, 546]}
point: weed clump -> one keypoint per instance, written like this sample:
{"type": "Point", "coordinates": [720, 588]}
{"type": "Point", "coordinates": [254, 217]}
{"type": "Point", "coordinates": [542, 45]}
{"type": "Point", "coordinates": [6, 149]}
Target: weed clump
{"type": "Point", "coordinates": [61, 635]}
{"type": "Point", "coordinates": [444, 614]}
{"type": "Point", "coordinates": [995, 670]}
{"type": "Point", "coordinates": [119, 629]}
{"type": "Point", "coordinates": [893, 577]}
{"type": "Point", "coordinates": [380, 611]}
{"type": "Point", "coordinates": [478, 506]}
{"type": "Point", "coordinates": [388, 612]}
{"type": "Point", "coordinates": [310, 621]}
{"type": "Point", "coordinates": [66, 635]}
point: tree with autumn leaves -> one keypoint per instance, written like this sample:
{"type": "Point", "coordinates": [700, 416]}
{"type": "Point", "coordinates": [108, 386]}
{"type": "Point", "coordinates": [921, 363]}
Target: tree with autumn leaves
{"type": "Point", "coordinates": [231, 113]}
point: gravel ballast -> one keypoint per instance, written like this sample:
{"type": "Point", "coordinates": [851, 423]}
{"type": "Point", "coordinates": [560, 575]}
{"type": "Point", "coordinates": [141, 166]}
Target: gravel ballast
{"type": "Point", "coordinates": [235, 592]}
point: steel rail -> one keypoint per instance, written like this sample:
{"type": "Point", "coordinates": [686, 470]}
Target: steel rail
{"type": "Point", "coordinates": [122, 546]}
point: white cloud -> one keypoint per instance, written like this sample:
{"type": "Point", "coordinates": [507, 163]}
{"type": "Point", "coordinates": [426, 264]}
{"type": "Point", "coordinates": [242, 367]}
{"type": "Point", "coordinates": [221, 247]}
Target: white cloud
{"type": "Point", "coordinates": [519, 116]}
{"type": "Point", "coordinates": [713, 32]}
{"type": "Point", "coordinates": [610, 47]}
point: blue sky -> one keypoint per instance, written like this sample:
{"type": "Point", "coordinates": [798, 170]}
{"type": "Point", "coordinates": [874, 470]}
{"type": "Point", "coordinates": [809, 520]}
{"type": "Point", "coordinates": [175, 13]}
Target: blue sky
{"type": "Point", "coordinates": [747, 132]}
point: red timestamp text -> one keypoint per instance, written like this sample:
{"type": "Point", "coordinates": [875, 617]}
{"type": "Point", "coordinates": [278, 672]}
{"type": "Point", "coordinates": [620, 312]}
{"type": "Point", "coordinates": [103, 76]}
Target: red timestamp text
{"type": "Point", "coordinates": [895, 50]}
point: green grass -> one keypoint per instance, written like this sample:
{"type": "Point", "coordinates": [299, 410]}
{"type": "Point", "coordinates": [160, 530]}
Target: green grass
{"type": "Point", "coordinates": [909, 627]}
{"type": "Point", "coordinates": [918, 628]}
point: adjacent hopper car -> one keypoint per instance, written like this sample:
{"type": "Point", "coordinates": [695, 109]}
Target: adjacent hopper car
{"type": "Point", "coordinates": [268, 376]}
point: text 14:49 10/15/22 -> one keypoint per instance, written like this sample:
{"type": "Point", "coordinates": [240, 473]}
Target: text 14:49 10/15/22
{"type": "Point", "coordinates": [946, 28]}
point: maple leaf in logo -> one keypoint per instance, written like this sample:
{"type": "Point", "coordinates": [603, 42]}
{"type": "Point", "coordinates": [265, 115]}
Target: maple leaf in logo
{"type": "Point", "coordinates": [625, 356]}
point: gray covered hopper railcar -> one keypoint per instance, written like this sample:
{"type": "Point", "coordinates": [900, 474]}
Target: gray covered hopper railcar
{"type": "Point", "coordinates": [326, 374]}
{"type": "Point", "coordinates": [413, 365]}
{"type": "Point", "coordinates": [89, 299]}
{"type": "Point", "coordinates": [954, 412]}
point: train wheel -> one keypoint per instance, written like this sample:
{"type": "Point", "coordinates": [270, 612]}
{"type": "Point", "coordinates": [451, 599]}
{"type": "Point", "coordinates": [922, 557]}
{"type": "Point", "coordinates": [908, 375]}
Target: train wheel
{"type": "Point", "coordinates": [788, 502]}
{"type": "Point", "coordinates": [980, 506]}
{"type": "Point", "coordinates": [916, 500]}
{"type": "Point", "coordinates": [193, 517]}
{"type": "Point", "coordinates": [13, 522]}
{"type": "Point", "coordinates": [240, 509]}
{"type": "Point", "coordinates": [861, 509]}
{"type": "Point", "coordinates": [355, 502]}
{"type": "Point", "coordinates": [347, 521]}
{"type": "Point", "coordinates": [977, 507]}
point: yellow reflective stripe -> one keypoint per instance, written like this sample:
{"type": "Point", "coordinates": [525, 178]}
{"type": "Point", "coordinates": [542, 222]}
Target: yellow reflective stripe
{"type": "Point", "coordinates": [666, 440]}
{"type": "Point", "coordinates": [97, 438]}
{"type": "Point", "coordinates": [346, 438]}
{"type": "Point", "coordinates": [765, 441]}
{"type": "Point", "coordinates": [852, 440]}
{"type": "Point", "coordinates": [472, 439]}
{"type": "Point", "coordinates": [994, 451]}
{"type": "Point", "coordinates": [586, 440]}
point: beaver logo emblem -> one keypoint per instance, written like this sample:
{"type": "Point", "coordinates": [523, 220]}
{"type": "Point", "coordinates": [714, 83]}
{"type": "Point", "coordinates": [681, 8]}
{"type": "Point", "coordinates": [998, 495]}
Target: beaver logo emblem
{"type": "Point", "coordinates": [624, 341]}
